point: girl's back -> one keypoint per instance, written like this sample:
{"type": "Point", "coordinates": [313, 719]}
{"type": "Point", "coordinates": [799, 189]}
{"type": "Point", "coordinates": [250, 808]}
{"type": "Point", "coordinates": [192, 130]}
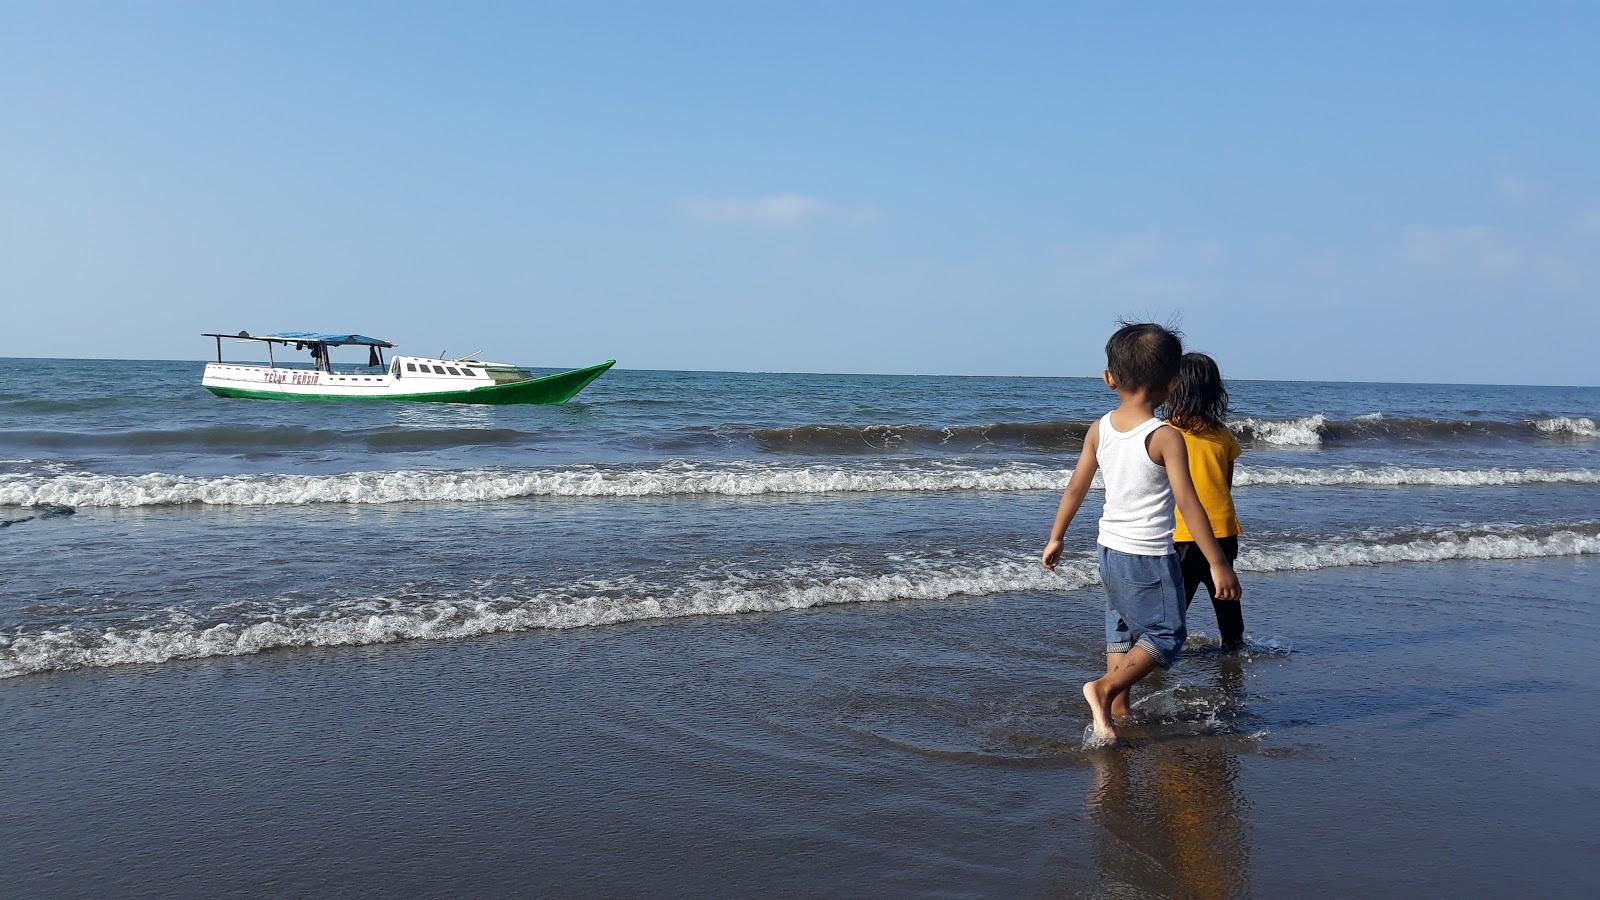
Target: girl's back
{"type": "Point", "coordinates": [1212, 452]}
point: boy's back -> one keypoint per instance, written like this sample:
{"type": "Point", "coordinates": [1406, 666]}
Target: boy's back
{"type": "Point", "coordinates": [1137, 516]}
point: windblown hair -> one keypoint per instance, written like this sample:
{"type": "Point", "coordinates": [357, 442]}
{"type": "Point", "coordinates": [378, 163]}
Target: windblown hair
{"type": "Point", "coordinates": [1200, 400]}
{"type": "Point", "coordinates": [1143, 355]}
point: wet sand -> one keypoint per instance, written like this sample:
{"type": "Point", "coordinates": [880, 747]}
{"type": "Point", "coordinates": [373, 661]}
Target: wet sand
{"type": "Point", "coordinates": [1431, 732]}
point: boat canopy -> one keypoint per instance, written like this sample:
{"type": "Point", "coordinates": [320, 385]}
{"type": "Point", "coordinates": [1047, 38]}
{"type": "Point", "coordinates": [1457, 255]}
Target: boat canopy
{"type": "Point", "coordinates": [332, 340]}
{"type": "Point", "coordinates": [306, 337]}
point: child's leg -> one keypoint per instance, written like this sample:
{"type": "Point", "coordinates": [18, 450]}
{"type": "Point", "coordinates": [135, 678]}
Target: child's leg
{"type": "Point", "coordinates": [1119, 640]}
{"type": "Point", "coordinates": [1230, 621]}
{"type": "Point", "coordinates": [1196, 571]}
{"type": "Point", "coordinates": [1144, 596]}
{"type": "Point", "coordinates": [1101, 692]}
{"type": "Point", "coordinates": [1120, 704]}
{"type": "Point", "coordinates": [1230, 613]}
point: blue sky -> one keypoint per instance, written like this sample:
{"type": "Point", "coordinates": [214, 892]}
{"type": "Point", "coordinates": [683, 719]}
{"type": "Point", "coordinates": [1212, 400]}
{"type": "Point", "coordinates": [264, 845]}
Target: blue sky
{"type": "Point", "coordinates": [1318, 191]}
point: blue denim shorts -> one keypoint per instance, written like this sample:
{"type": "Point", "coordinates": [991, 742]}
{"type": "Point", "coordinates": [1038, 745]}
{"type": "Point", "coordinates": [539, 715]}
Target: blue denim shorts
{"type": "Point", "coordinates": [1144, 604]}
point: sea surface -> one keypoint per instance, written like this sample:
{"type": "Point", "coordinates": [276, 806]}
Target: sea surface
{"type": "Point", "coordinates": [700, 631]}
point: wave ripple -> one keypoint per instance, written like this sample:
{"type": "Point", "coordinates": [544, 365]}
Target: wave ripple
{"type": "Point", "coordinates": [490, 608]}
{"type": "Point", "coordinates": [669, 479]}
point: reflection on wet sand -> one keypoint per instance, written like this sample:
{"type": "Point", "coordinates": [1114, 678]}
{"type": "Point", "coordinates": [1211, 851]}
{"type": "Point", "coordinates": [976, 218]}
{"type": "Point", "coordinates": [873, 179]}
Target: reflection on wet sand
{"type": "Point", "coordinates": [1168, 808]}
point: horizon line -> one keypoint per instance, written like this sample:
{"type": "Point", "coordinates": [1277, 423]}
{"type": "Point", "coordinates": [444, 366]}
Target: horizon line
{"type": "Point", "coordinates": [888, 374]}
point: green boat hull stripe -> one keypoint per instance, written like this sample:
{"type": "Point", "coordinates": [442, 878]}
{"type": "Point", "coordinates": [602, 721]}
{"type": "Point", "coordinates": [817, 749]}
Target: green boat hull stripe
{"type": "Point", "coordinates": [558, 388]}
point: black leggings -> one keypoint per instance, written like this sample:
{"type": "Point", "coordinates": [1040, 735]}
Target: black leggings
{"type": "Point", "coordinates": [1196, 571]}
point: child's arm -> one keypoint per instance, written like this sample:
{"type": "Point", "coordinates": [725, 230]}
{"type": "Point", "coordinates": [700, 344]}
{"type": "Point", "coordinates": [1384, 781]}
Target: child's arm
{"type": "Point", "coordinates": [1168, 449]}
{"type": "Point", "coordinates": [1072, 497]}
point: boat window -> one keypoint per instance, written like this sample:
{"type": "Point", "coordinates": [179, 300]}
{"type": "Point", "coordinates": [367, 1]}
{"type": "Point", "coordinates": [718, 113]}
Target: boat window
{"type": "Point", "coordinates": [439, 369]}
{"type": "Point", "coordinates": [469, 373]}
{"type": "Point", "coordinates": [411, 367]}
{"type": "Point", "coordinates": [453, 370]}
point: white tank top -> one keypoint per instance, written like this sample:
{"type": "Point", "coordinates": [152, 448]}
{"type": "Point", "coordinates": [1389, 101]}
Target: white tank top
{"type": "Point", "coordinates": [1138, 513]}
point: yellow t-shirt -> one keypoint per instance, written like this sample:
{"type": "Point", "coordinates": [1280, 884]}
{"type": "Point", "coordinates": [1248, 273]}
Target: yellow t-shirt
{"type": "Point", "coordinates": [1211, 455]}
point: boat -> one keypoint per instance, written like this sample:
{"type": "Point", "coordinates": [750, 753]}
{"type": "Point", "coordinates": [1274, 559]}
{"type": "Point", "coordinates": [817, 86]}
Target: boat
{"type": "Point", "coordinates": [417, 379]}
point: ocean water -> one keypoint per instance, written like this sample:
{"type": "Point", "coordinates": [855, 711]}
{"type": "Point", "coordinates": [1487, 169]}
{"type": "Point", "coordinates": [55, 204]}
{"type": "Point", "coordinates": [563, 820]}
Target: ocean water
{"type": "Point", "coordinates": [720, 634]}
{"type": "Point", "coordinates": [199, 527]}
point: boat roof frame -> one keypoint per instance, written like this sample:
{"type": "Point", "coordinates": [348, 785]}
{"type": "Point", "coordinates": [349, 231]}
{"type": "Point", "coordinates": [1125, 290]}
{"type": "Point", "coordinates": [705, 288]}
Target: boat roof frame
{"type": "Point", "coordinates": [304, 337]}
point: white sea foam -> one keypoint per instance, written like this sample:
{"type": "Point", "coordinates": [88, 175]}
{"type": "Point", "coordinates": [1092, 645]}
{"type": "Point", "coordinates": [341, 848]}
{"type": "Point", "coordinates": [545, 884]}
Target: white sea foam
{"type": "Point", "coordinates": [1580, 427]}
{"type": "Point", "coordinates": [589, 603]}
{"type": "Point", "coordinates": [1412, 476]}
{"type": "Point", "coordinates": [437, 615]}
{"type": "Point", "coordinates": [1302, 432]}
{"type": "Point", "coordinates": [92, 490]}
{"type": "Point", "coordinates": [1511, 543]}
{"type": "Point", "coordinates": [481, 485]}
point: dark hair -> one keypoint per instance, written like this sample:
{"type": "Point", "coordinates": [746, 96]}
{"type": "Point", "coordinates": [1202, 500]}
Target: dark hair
{"type": "Point", "coordinates": [1200, 401]}
{"type": "Point", "coordinates": [1142, 355]}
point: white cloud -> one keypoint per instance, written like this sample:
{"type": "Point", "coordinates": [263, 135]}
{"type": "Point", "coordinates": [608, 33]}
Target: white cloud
{"type": "Point", "coordinates": [1517, 189]}
{"type": "Point", "coordinates": [1550, 259]}
{"type": "Point", "coordinates": [1141, 265]}
{"type": "Point", "coordinates": [1475, 246]}
{"type": "Point", "coordinates": [776, 210]}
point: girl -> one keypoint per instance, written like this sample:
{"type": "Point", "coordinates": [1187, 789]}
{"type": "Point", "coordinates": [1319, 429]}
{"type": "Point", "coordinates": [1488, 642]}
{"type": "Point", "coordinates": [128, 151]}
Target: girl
{"type": "Point", "coordinates": [1198, 407]}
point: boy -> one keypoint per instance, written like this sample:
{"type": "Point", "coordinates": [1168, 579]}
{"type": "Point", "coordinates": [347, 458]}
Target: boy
{"type": "Point", "coordinates": [1146, 469]}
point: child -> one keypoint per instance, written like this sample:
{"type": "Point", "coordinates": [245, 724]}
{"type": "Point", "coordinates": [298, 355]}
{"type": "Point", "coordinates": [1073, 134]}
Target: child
{"type": "Point", "coordinates": [1198, 407]}
{"type": "Point", "coordinates": [1146, 470]}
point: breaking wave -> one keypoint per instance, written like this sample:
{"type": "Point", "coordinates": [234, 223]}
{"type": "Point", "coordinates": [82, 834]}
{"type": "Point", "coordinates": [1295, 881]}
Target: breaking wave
{"type": "Point", "coordinates": [1306, 431]}
{"type": "Point", "coordinates": [425, 614]}
{"type": "Point", "coordinates": [1407, 476]}
{"type": "Point", "coordinates": [1564, 425]}
{"type": "Point", "coordinates": [805, 439]}
{"type": "Point", "coordinates": [1318, 430]}
{"type": "Point", "coordinates": [669, 479]}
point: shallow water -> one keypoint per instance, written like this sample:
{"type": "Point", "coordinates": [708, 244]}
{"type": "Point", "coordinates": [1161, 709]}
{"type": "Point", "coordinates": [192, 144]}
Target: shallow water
{"type": "Point", "coordinates": [666, 494]}
{"type": "Point", "coordinates": [1404, 741]}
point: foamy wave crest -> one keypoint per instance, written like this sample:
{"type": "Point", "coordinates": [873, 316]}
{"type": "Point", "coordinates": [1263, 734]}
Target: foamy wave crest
{"type": "Point", "coordinates": [1405, 476]}
{"type": "Point", "coordinates": [1523, 542]}
{"type": "Point", "coordinates": [387, 620]}
{"type": "Point", "coordinates": [1303, 432]}
{"type": "Point", "coordinates": [426, 614]}
{"type": "Point", "coordinates": [671, 479]}
{"type": "Point", "coordinates": [1066, 435]}
{"type": "Point", "coordinates": [1566, 425]}
{"type": "Point", "coordinates": [482, 485]}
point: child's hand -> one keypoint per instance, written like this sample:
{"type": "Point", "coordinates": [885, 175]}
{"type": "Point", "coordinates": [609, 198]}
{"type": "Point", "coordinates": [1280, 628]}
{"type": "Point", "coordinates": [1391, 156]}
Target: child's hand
{"type": "Point", "coordinates": [1227, 583]}
{"type": "Point", "coordinates": [1051, 555]}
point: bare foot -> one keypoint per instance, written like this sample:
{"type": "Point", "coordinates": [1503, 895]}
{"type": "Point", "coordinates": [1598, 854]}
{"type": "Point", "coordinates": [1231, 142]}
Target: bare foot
{"type": "Point", "coordinates": [1095, 694]}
